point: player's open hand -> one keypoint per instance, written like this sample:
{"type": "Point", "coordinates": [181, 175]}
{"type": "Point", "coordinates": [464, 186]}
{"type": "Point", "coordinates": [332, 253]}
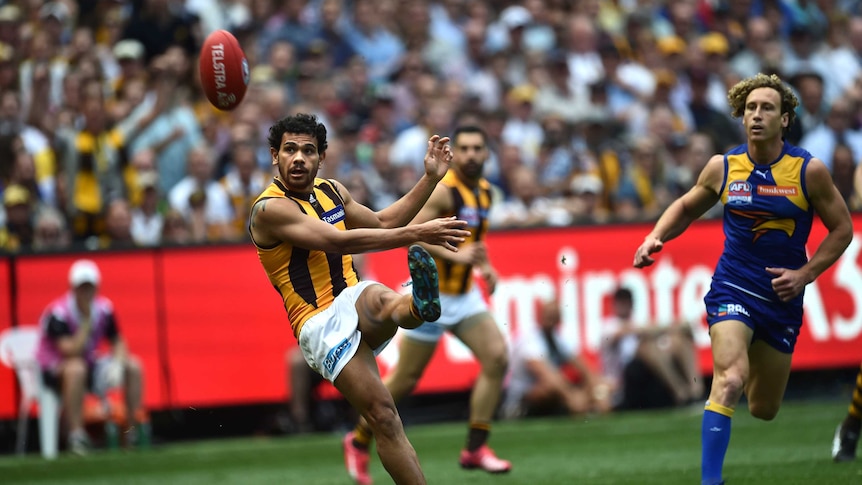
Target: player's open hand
{"type": "Point", "coordinates": [643, 258]}
{"type": "Point", "coordinates": [443, 231]}
{"type": "Point", "coordinates": [438, 157]}
{"type": "Point", "coordinates": [787, 283]}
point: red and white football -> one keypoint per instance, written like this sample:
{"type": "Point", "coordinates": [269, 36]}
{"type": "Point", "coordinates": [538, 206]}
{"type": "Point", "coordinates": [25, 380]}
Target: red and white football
{"type": "Point", "coordinates": [223, 70]}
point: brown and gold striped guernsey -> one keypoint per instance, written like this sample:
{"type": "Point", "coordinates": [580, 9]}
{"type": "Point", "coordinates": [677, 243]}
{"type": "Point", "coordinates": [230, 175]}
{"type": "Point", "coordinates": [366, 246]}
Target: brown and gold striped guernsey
{"type": "Point", "coordinates": [308, 281]}
{"type": "Point", "coordinates": [471, 205]}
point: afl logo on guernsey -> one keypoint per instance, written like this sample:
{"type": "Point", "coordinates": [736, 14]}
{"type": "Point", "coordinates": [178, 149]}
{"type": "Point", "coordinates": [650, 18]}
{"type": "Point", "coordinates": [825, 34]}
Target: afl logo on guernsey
{"type": "Point", "coordinates": [739, 192]}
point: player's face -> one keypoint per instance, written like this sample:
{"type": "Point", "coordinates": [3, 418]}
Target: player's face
{"type": "Point", "coordinates": [470, 153]}
{"type": "Point", "coordinates": [297, 160]}
{"type": "Point", "coordinates": [762, 118]}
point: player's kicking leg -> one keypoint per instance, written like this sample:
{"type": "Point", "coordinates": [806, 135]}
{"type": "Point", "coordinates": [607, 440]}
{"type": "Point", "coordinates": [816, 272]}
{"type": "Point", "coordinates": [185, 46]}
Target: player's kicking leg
{"type": "Point", "coordinates": [846, 438]}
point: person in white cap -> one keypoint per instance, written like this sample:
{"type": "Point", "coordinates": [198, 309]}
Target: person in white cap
{"type": "Point", "coordinates": [72, 328]}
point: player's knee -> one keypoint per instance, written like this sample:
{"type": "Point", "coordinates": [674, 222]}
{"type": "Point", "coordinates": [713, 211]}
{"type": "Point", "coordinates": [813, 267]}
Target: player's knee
{"type": "Point", "coordinates": [495, 364]}
{"type": "Point", "coordinates": [729, 385]}
{"type": "Point", "coordinates": [383, 419]}
{"type": "Point", "coordinates": [766, 411]}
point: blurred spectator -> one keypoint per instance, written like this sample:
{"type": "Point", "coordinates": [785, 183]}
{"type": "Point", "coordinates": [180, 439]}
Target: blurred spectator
{"type": "Point", "coordinates": [147, 221]}
{"type": "Point", "coordinates": [556, 96]}
{"type": "Point", "coordinates": [548, 375]}
{"type": "Point", "coordinates": [521, 128]}
{"type": "Point", "coordinates": [526, 207]}
{"type": "Point", "coordinates": [367, 32]}
{"type": "Point", "coordinates": [118, 226]}
{"type": "Point", "coordinates": [329, 33]}
{"type": "Point", "coordinates": [837, 130]}
{"type": "Point", "coordinates": [584, 200]}
{"type": "Point", "coordinates": [19, 209]}
{"type": "Point", "coordinates": [410, 145]}
{"type": "Point", "coordinates": [50, 232]}
{"type": "Point", "coordinates": [91, 158]}
{"type": "Point", "coordinates": [707, 118]}
{"type": "Point", "coordinates": [176, 230]}
{"type": "Point", "coordinates": [649, 183]}
{"type": "Point", "coordinates": [160, 24]}
{"type": "Point", "coordinates": [72, 328]}
{"type": "Point", "coordinates": [243, 182]}
{"type": "Point", "coordinates": [174, 129]}
{"type": "Point", "coordinates": [556, 160]}
{"type": "Point", "coordinates": [755, 55]}
{"type": "Point", "coordinates": [649, 366]}
{"type": "Point", "coordinates": [812, 110]}
{"type": "Point", "coordinates": [844, 172]}
{"type": "Point", "coordinates": [202, 200]}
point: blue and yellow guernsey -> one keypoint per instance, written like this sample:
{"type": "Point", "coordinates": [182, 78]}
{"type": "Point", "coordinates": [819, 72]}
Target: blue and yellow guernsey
{"type": "Point", "coordinates": [308, 281]}
{"type": "Point", "coordinates": [471, 205]}
{"type": "Point", "coordinates": [767, 219]}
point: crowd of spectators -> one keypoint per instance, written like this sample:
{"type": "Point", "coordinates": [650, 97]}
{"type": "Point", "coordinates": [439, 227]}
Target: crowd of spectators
{"type": "Point", "coordinates": [597, 110]}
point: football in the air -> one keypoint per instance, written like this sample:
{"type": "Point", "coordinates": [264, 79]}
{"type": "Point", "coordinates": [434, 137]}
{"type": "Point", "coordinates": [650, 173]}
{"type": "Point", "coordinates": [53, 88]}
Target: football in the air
{"type": "Point", "coordinates": [223, 70]}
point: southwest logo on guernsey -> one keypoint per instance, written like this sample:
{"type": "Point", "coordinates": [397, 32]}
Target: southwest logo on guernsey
{"type": "Point", "coordinates": [732, 309]}
{"type": "Point", "coordinates": [739, 192]}
{"type": "Point", "coordinates": [333, 216]}
{"type": "Point", "coordinates": [335, 355]}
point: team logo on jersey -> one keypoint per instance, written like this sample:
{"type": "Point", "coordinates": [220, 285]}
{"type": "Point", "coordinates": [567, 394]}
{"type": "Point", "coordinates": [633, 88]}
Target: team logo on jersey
{"type": "Point", "coordinates": [739, 192]}
{"type": "Point", "coordinates": [726, 309]}
{"type": "Point", "coordinates": [763, 222]}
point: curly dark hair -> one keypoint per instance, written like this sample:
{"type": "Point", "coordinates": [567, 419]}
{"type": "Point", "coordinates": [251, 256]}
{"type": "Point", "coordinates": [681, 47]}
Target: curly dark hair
{"type": "Point", "coordinates": [740, 91]}
{"type": "Point", "coordinates": [300, 123]}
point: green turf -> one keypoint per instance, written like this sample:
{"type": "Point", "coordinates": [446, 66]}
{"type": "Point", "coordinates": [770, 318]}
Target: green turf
{"type": "Point", "coordinates": [640, 448]}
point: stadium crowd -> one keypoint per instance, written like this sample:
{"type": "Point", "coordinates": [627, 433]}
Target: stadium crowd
{"type": "Point", "coordinates": [597, 110]}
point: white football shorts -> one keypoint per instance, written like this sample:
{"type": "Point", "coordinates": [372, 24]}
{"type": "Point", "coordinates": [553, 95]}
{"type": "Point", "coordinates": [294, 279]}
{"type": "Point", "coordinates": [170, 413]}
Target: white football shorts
{"type": "Point", "coordinates": [455, 309]}
{"type": "Point", "coordinates": [330, 339]}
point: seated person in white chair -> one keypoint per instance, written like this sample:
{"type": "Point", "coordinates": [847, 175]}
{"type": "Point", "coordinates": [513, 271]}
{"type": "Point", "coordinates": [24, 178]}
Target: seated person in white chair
{"type": "Point", "coordinates": [72, 327]}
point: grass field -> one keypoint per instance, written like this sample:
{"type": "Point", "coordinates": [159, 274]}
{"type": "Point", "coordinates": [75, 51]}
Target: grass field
{"type": "Point", "coordinates": [639, 448]}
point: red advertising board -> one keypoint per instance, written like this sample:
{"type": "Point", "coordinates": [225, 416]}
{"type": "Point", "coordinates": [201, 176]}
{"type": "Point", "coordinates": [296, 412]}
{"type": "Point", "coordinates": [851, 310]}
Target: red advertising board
{"type": "Point", "coordinates": [211, 331]}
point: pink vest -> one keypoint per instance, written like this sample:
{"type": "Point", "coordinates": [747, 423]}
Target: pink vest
{"type": "Point", "coordinates": [64, 309]}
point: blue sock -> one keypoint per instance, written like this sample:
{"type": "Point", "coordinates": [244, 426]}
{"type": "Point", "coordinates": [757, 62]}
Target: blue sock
{"type": "Point", "coordinates": [715, 436]}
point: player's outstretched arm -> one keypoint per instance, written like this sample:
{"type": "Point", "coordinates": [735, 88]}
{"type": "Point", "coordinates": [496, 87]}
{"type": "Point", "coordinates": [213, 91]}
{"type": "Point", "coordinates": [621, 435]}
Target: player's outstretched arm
{"type": "Point", "coordinates": [683, 211]}
{"type": "Point", "coordinates": [280, 220]}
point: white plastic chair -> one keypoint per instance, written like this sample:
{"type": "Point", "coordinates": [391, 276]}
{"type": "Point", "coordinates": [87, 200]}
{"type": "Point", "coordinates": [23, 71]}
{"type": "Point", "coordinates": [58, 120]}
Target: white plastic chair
{"type": "Point", "coordinates": [18, 346]}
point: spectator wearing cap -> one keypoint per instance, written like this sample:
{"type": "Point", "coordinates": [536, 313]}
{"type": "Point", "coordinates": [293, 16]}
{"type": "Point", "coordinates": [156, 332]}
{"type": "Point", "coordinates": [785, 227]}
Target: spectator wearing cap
{"type": "Point", "coordinates": [17, 233]}
{"type": "Point", "coordinates": [521, 128]}
{"type": "Point", "coordinates": [129, 55]}
{"type": "Point", "coordinates": [584, 199]}
{"type": "Point", "coordinates": [72, 328]}
{"type": "Point", "coordinates": [10, 22]}
{"type": "Point", "coordinates": [8, 67]}
{"type": "Point", "coordinates": [709, 55]}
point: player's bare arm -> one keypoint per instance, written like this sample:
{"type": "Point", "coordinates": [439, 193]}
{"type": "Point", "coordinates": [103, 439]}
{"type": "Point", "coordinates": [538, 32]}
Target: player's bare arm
{"type": "Point", "coordinates": [832, 210]}
{"type": "Point", "coordinates": [437, 160]}
{"type": "Point", "coordinates": [280, 220]}
{"type": "Point", "coordinates": [683, 211]}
